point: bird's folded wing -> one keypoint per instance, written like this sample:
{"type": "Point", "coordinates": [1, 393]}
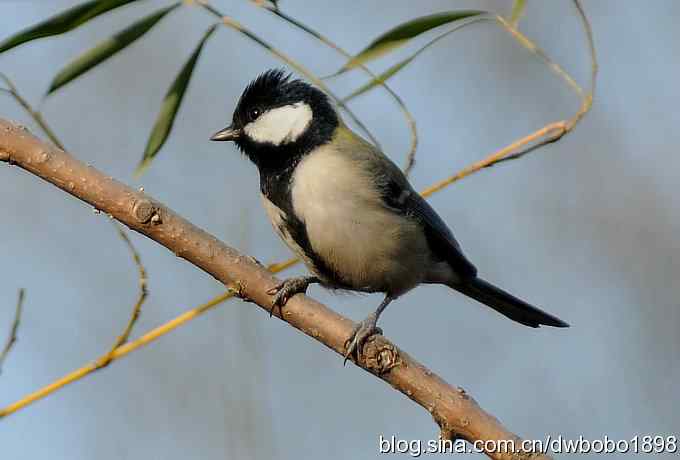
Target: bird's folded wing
{"type": "Point", "coordinates": [398, 195]}
{"type": "Point", "coordinates": [439, 236]}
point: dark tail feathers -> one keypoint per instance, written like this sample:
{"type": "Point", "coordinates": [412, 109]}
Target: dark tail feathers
{"type": "Point", "coordinates": [507, 304]}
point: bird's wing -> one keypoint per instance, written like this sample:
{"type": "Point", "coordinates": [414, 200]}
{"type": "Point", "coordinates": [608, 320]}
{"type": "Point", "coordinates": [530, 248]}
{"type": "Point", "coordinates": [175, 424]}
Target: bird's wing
{"type": "Point", "coordinates": [398, 195]}
{"type": "Point", "coordinates": [439, 236]}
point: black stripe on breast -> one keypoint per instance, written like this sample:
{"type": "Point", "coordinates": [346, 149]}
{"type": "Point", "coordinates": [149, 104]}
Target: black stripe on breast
{"type": "Point", "coordinates": [276, 187]}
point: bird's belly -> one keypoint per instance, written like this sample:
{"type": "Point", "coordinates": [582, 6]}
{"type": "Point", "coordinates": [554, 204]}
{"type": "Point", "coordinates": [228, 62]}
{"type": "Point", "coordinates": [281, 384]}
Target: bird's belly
{"type": "Point", "coordinates": [365, 246]}
{"type": "Point", "coordinates": [367, 255]}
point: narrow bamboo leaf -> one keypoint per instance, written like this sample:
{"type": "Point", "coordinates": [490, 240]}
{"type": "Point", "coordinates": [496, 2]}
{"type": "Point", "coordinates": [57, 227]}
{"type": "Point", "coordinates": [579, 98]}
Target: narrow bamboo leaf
{"type": "Point", "coordinates": [389, 73]}
{"type": "Point", "coordinates": [170, 106]}
{"type": "Point", "coordinates": [517, 11]}
{"type": "Point", "coordinates": [63, 22]}
{"type": "Point", "coordinates": [106, 49]}
{"type": "Point", "coordinates": [403, 33]}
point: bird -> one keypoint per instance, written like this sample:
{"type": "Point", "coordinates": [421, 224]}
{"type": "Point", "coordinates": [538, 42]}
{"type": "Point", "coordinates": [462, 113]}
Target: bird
{"type": "Point", "coordinates": [346, 210]}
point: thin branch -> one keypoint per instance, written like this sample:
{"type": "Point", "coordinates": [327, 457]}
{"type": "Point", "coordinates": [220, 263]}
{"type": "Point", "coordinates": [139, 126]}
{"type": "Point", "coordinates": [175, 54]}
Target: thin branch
{"type": "Point", "coordinates": [534, 49]}
{"type": "Point", "coordinates": [36, 115]}
{"type": "Point", "coordinates": [137, 309]}
{"type": "Point", "coordinates": [12, 338]}
{"type": "Point", "coordinates": [129, 347]}
{"type": "Point", "coordinates": [117, 353]}
{"type": "Point", "coordinates": [594, 66]}
{"type": "Point", "coordinates": [551, 132]}
{"type": "Point", "coordinates": [452, 408]}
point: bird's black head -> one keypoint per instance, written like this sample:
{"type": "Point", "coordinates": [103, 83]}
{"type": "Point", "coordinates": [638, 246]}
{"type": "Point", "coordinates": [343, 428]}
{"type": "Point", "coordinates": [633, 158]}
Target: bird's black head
{"type": "Point", "coordinates": [278, 120]}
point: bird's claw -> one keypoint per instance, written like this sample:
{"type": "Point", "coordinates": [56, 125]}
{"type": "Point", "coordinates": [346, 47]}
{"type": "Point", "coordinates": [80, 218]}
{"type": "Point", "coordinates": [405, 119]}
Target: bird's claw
{"type": "Point", "coordinates": [275, 289]}
{"type": "Point", "coordinates": [283, 291]}
{"type": "Point", "coordinates": [361, 332]}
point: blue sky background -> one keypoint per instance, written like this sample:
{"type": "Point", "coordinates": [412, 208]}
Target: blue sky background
{"type": "Point", "coordinates": [586, 228]}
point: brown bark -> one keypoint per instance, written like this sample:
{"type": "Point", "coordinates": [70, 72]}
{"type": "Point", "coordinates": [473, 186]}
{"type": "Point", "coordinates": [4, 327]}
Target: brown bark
{"type": "Point", "coordinates": [456, 413]}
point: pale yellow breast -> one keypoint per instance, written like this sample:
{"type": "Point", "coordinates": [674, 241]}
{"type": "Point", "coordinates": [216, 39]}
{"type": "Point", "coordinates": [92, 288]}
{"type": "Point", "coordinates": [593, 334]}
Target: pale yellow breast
{"type": "Point", "coordinates": [348, 226]}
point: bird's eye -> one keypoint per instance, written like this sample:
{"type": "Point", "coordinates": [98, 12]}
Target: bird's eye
{"type": "Point", "coordinates": [253, 114]}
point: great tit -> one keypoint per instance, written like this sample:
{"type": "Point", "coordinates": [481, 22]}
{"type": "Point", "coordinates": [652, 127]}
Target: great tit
{"type": "Point", "coordinates": [346, 209]}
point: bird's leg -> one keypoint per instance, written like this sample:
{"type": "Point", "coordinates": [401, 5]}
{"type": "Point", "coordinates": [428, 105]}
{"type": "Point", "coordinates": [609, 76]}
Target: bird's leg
{"type": "Point", "coordinates": [364, 330]}
{"type": "Point", "coordinates": [288, 288]}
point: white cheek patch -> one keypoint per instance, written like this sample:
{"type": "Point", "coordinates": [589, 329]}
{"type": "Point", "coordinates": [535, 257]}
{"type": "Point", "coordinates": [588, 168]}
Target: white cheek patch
{"type": "Point", "coordinates": [280, 125]}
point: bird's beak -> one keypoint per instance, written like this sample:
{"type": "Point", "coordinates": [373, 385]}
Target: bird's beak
{"type": "Point", "coordinates": [227, 134]}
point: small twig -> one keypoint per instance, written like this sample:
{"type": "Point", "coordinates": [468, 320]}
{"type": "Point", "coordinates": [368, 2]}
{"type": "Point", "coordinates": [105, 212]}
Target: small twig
{"type": "Point", "coordinates": [113, 355]}
{"type": "Point", "coordinates": [558, 127]}
{"type": "Point", "coordinates": [129, 347]}
{"type": "Point", "coordinates": [594, 66]}
{"type": "Point", "coordinates": [137, 309]}
{"type": "Point", "coordinates": [36, 115]}
{"type": "Point", "coordinates": [12, 339]}
{"type": "Point", "coordinates": [42, 123]}
{"type": "Point", "coordinates": [549, 133]}
{"type": "Point", "coordinates": [534, 49]}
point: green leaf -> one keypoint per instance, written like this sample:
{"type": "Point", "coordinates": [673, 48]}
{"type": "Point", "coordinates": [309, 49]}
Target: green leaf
{"type": "Point", "coordinates": [383, 77]}
{"type": "Point", "coordinates": [106, 49]}
{"type": "Point", "coordinates": [401, 34]}
{"type": "Point", "coordinates": [63, 22]}
{"type": "Point", "coordinates": [517, 11]}
{"type": "Point", "coordinates": [170, 106]}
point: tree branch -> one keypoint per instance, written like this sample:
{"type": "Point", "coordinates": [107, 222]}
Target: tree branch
{"type": "Point", "coordinates": [456, 413]}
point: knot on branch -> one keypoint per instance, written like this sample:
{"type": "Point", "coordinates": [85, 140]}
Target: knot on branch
{"type": "Point", "coordinates": [145, 212]}
{"type": "Point", "coordinates": [380, 356]}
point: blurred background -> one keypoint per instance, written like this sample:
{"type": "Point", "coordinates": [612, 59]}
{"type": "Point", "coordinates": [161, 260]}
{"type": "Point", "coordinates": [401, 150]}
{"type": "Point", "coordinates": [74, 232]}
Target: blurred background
{"type": "Point", "coordinates": [586, 228]}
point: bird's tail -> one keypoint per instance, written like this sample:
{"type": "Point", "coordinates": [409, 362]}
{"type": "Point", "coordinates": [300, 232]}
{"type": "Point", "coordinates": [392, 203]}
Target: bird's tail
{"type": "Point", "coordinates": [507, 304]}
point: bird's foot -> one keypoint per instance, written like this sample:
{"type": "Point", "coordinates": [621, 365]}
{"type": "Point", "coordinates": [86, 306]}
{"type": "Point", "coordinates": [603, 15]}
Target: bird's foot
{"type": "Point", "coordinates": [283, 291]}
{"type": "Point", "coordinates": [362, 331]}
